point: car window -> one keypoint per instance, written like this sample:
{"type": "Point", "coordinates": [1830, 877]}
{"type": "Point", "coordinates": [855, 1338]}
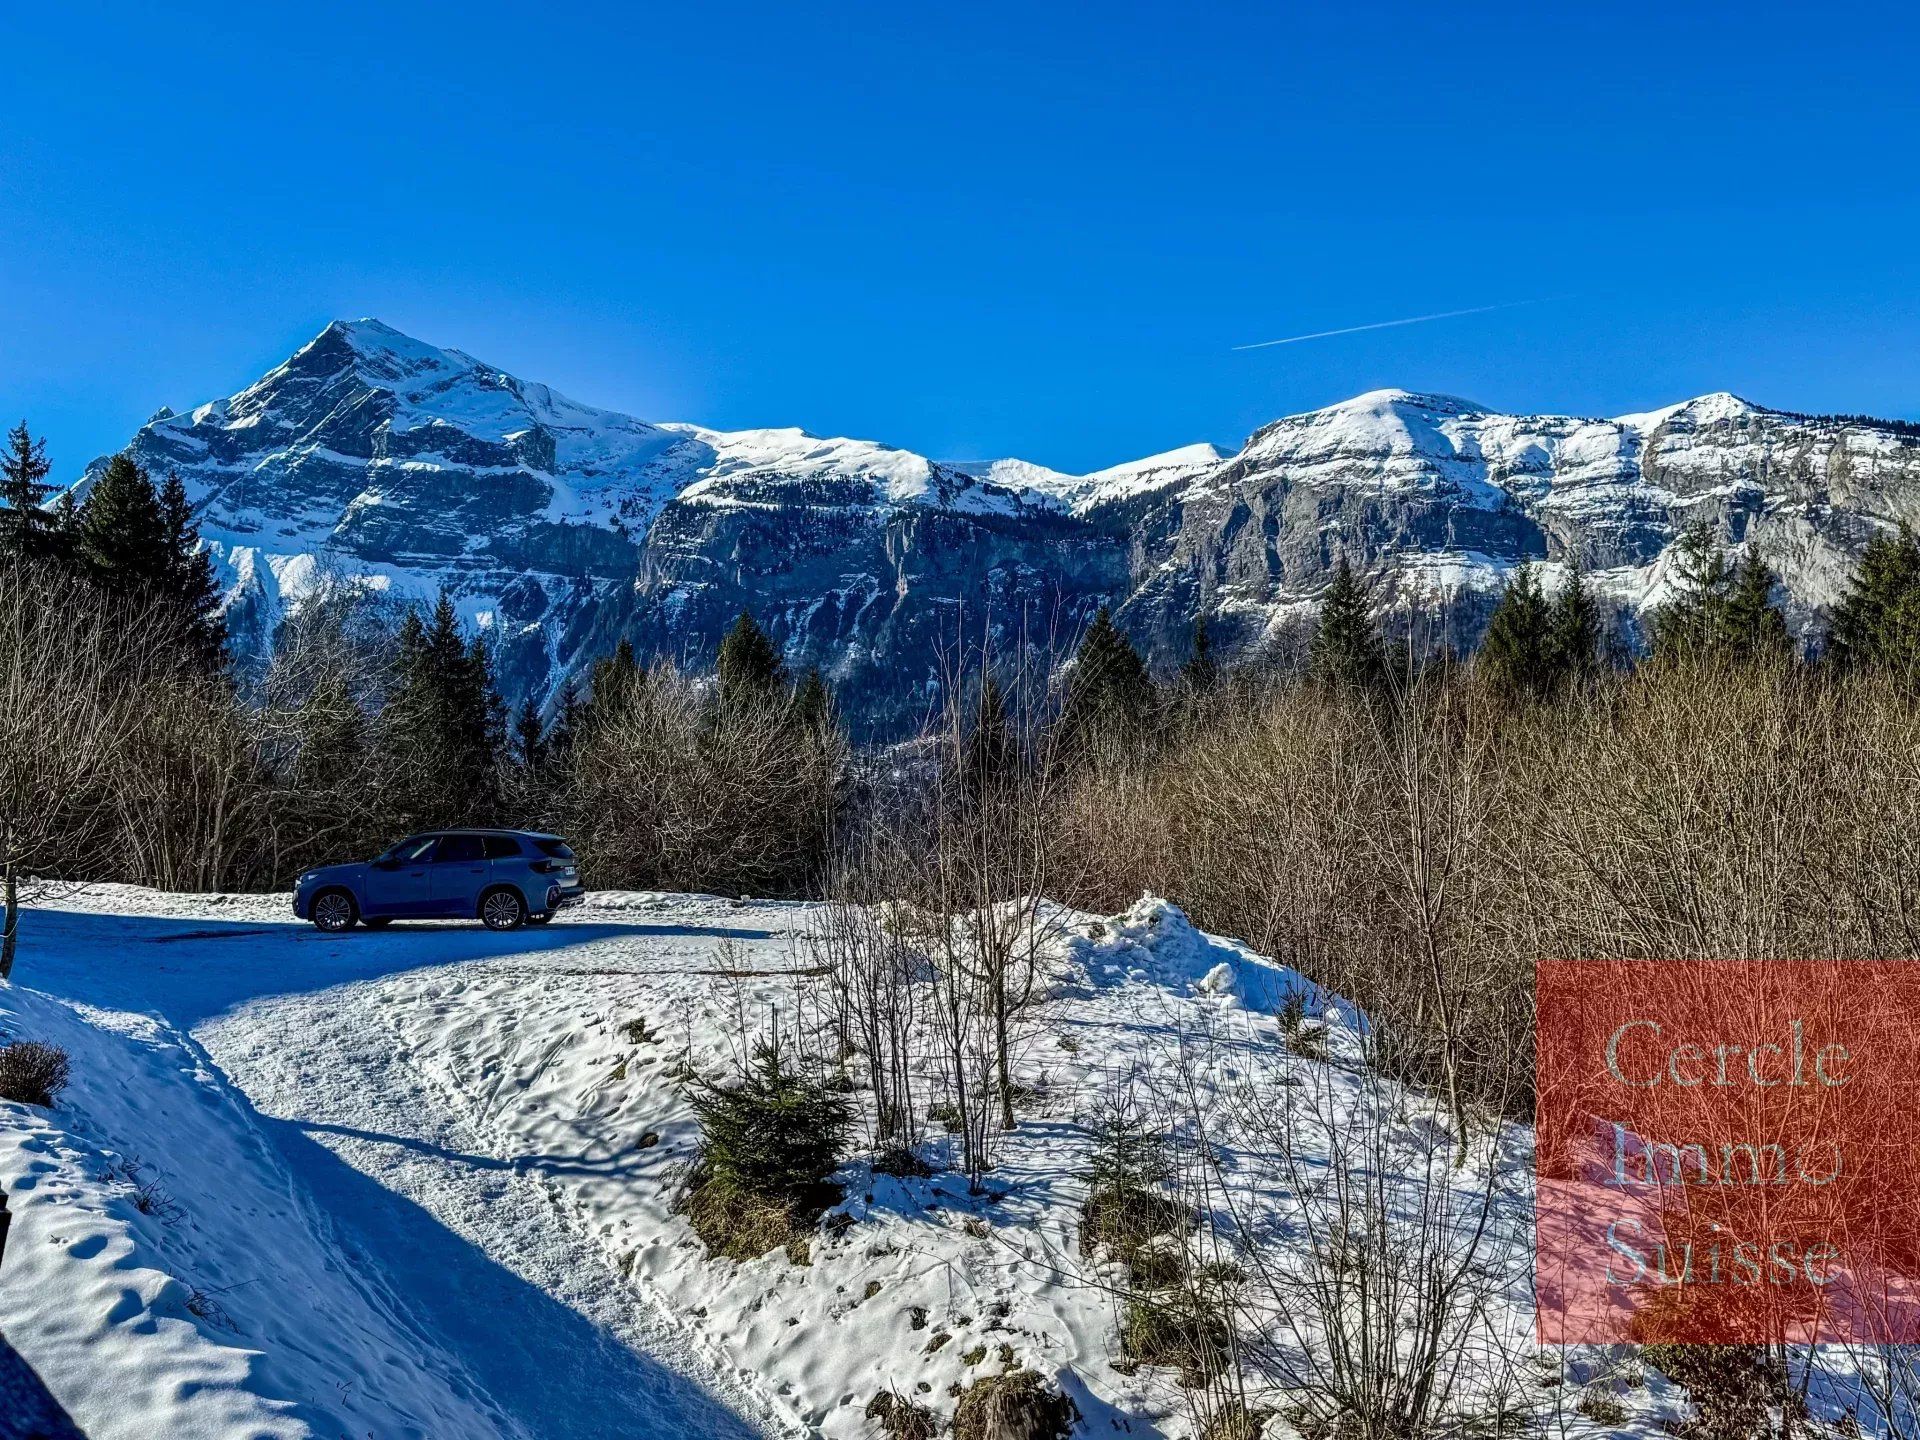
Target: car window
{"type": "Point", "coordinates": [456, 849]}
{"type": "Point", "coordinates": [414, 847]}
{"type": "Point", "coordinates": [502, 847]}
{"type": "Point", "coordinates": [556, 849]}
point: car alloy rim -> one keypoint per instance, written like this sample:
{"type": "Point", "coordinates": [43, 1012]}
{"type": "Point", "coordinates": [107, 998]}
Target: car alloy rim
{"type": "Point", "coordinates": [501, 910]}
{"type": "Point", "coordinates": [333, 912]}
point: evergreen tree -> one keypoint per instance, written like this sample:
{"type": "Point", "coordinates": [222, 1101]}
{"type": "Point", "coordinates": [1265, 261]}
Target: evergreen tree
{"type": "Point", "coordinates": [493, 710]}
{"type": "Point", "coordinates": [27, 530]}
{"type": "Point", "coordinates": [331, 735]}
{"type": "Point", "coordinates": [66, 525]}
{"type": "Point", "coordinates": [748, 668]}
{"type": "Point", "coordinates": [1720, 609]}
{"type": "Point", "coordinates": [1201, 672]}
{"type": "Point", "coordinates": [331, 809]}
{"type": "Point", "coordinates": [122, 533]}
{"type": "Point", "coordinates": [1689, 624]}
{"type": "Point", "coordinates": [813, 702]}
{"type": "Point", "coordinates": [1517, 653]}
{"type": "Point", "coordinates": [444, 724]}
{"type": "Point", "coordinates": [1346, 649]}
{"type": "Point", "coordinates": [529, 737]}
{"type": "Point", "coordinates": [1752, 627]}
{"type": "Point", "coordinates": [565, 733]}
{"type": "Point", "coordinates": [138, 541]}
{"type": "Point", "coordinates": [188, 586]}
{"type": "Point", "coordinates": [1878, 620]}
{"type": "Point", "coordinates": [1576, 634]}
{"type": "Point", "coordinates": [611, 688]}
{"type": "Point", "coordinates": [990, 756]}
{"type": "Point", "coordinates": [1109, 693]}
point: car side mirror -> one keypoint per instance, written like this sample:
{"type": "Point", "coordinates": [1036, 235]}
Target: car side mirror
{"type": "Point", "coordinates": [386, 864]}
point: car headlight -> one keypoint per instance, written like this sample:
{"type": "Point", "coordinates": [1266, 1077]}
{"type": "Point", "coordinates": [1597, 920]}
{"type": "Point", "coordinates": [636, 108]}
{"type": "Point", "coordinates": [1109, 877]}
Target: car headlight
{"type": "Point", "coordinates": [309, 876]}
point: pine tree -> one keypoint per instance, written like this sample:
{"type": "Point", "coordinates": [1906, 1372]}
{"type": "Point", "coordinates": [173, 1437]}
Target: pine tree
{"type": "Point", "coordinates": [748, 668]}
{"type": "Point", "coordinates": [331, 736]}
{"type": "Point", "coordinates": [492, 708]}
{"type": "Point", "coordinates": [1201, 673]}
{"type": "Point", "coordinates": [1752, 627]}
{"type": "Point", "coordinates": [529, 737]}
{"type": "Point", "coordinates": [66, 526]}
{"type": "Point", "coordinates": [1109, 693]}
{"type": "Point", "coordinates": [990, 757]}
{"type": "Point", "coordinates": [123, 538]}
{"type": "Point", "coordinates": [188, 586]}
{"type": "Point", "coordinates": [1575, 637]}
{"type": "Point", "coordinates": [813, 703]}
{"type": "Point", "coordinates": [1721, 609]}
{"type": "Point", "coordinates": [1346, 649]}
{"type": "Point", "coordinates": [1877, 622]}
{"type": "Point", "coordinates": [137, 541]}
{"type": "Point", "coordinates": [27, 529]}
{"type": "Point", "coordinates": [1689, 624]}
{"type": "Point", "coordinates": [611, 688]}
{"type": "Point", "coordinates": [331, 808]}
{"type": "Point", "coordinates": [567, 723]}
{"type": "Point", "coordinates": [1517, 653]}
{"type": "Point", "coordinates": [444, 724]}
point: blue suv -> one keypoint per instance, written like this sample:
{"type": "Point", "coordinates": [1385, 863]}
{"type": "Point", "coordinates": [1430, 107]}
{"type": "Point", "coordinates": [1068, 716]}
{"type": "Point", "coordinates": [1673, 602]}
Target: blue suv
{"type": "Point", "coordinates": [504, 878]}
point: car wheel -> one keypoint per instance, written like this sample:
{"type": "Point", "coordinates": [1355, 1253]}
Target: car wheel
{"type": "Point", "coordinates": [503, 910]}
{"type": "Point", "coordinates": [544, 917]}
{"type": "Point", "coordinates": [334, 911]}
{"type": "Point", "coordinates": [376, 922]}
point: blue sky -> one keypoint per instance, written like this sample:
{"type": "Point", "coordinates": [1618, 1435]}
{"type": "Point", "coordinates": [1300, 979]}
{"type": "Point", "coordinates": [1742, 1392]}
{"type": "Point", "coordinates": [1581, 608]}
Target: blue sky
{"type": "Point", "coordinates": [971, 230]}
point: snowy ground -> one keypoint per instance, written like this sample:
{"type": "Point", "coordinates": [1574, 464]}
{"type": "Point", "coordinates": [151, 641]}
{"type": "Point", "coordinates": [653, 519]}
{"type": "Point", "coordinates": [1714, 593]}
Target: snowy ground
{"type": "Point", "coordinates": [420, 1182]}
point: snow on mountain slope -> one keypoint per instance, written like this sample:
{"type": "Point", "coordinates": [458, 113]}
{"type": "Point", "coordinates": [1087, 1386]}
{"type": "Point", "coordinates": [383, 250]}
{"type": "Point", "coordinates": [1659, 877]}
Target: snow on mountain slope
{"type": "Point", "coordinates": [428, 1177]}
{"type": "Point", "coordinates": [373, 459]}
{"type": "Point", "coordinates": [1080, 493]}
{"type": "Point", "coordinates": [1435, 500]}
{"type": "Point", "coordinates": [765, 467]}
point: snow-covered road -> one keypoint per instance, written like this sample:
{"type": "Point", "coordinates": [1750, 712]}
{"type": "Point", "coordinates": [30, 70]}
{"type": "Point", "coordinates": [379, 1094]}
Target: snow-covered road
{"type": "Point", "coordinates": [462, 1244]}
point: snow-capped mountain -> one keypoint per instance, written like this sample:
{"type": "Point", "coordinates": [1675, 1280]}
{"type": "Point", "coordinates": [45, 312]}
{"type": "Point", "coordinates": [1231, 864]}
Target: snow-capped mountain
{"type": "Point", "coordinates": [373, 458]}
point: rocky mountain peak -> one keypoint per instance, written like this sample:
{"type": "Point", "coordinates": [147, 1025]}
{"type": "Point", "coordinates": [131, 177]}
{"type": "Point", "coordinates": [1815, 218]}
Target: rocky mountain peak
{"type": "Point", "coordinates": [375, 460]}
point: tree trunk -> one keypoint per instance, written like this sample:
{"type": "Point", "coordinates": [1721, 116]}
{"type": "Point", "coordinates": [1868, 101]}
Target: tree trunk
{"type": "Point", "coordinates": [1004, 1049]}
{"type": "Point", "coordinates": [9, 923]}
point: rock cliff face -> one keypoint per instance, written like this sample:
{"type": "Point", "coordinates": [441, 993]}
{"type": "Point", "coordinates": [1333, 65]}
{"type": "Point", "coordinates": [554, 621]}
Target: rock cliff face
{"type": "Point", "coordinates": [372, 459]}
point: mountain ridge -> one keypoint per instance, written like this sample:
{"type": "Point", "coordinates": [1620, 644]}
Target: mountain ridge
{"type": "Point", "coordinates": [379, 460]}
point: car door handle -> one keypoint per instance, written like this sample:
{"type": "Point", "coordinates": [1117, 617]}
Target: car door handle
{"type": "Point", "coordinates": [478, 870]}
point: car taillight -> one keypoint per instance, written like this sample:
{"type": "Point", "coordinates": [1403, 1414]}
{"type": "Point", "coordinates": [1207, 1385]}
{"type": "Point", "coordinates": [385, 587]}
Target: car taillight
{"type": "Point", "coordinates": [543, 867]}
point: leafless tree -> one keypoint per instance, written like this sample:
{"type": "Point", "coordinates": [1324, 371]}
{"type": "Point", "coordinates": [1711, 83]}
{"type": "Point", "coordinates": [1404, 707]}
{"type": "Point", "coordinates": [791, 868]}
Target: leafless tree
{"type": "Point", "coordinates": [66, 653]}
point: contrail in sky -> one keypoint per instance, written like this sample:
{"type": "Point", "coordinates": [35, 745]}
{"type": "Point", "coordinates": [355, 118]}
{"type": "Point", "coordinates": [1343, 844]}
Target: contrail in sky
{"type": "Point", "coordinates": [1389, 324]}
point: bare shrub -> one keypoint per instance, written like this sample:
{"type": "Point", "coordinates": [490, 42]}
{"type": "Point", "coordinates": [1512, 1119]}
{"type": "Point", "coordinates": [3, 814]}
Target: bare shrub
{"type": "Point", "coordinates": [672, 790]}
{"type": "Point", "coordinates": [65, 654]}
{"type": "Point", "coordinates": [32, 1073]}
{"type": "Point", "coordinates": [1418, 857]}
{"type": "Point", "coordinates": [900, 1418]}
{"type": "Point", "coordinates": [872, 970]}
